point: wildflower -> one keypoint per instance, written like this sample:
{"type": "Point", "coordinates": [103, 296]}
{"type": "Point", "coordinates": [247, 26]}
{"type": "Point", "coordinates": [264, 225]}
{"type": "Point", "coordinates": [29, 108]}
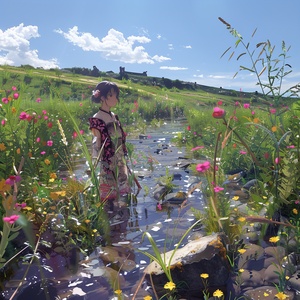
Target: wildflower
{"type": "Point", "coordinates": [38, 139]}
{"type": "Point", "coordinates": [38, 100]}
{"type": "Point", "coordinates": [266, 294]}
{"type": "Point", "coordinates": [53, 176]}
{"type": "Point", "coordinates": [14, 88]}
{"type": "Point", "coordinates": [147, 297]}
{"type": "Point", "coordinates": [266, 155]}
{"type": "Point", "coordinates": [16, 96]}
{"type": "Point", "coordinates": [74, 135]}
{"type": "Point", "coordinates": [49, 143]}
{"type": "Point", "coordinates": [256, 120]}
{"type": "Point", "coordinates": [237, 103]}
{"type": "Point", "coordinates": [12, 219]}
{"type": "Point", "coordinates": [204, 275]}
{"type": "Point", "coordinates": [241, 270]}
{"type": "Point", "coordinates": [118, 292]}
{"type": "Point", "coordinates": [273, 111]}
{"type": "Point", "coordinates": [242, 219]}
{"type": "Point", "coordinates": [218, 293]}
{"type": "Point", "coordinates": [246, 105]}
{"type": "Point", "coordinates": [170, 286]}
{"type": "Point", "coordinates": [218, 113]}
{"type": "Point", "coordinates": [243, 152]}
{"type": "Point", "coordinates": [220, 102]}
{"type": "Point", "coordinates": [253, 113]}
{"type": "Point", "coordinates": [290, 147]}
{"type": "Point", "coordinates": [3, 122]}
{"type": "Point", "coordinates": [295, 211]}
{"type": "Point", "coordinates": [281, 296]}
{"type": "Point", "coordinates": [5, 100]}
{"type": "Point", "coordinates": [23, 115]}
{"type": "Point", "coordinates": [188, 128]}
{"type": "Point", "coordinates": [18, 151]}
{"type": "Point", "coordinates": [218, 189]}
{"type": "Point", "coordinates": [274, 239]}
{"type": "Point", "coordinates": [13, 179]}
{"type": "Point", "coordinates": [274, 129]}
{"type": "Point", "coordinates": [235, 198]}
{"type": "Point", "coordinates": [277, 160]}
{"type": "Point", "coordinates": [159, 207]}
{"type": "Point", "coordinates": [203, 167]}
{"type": "Point", "coordinates": [43, 152]}
{"type": "Point", "coordinates": [44, 112]}
{"type": "Point", "coordinates": [50, 125]}
{"type": "Point", "coordinates": [197, 148]}
{"type": "Point", "coordinates": [2, 147]}
{"type": "Point", "coordinates": [13, 110]}
{"type": "Point", "coordinates": [242, 251]}
{"type": "Point", "coordinates": [47, 161]}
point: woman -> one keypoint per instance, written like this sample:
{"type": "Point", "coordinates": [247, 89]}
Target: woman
{"type": "Point", "coordinates": [109, 143]}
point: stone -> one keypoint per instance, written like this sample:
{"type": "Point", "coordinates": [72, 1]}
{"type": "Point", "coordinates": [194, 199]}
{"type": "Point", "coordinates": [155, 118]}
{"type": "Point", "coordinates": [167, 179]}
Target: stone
{"type": "Point", "coordinates": [266, 293]}
{"type": "Point", "coordinates": [205, 255]}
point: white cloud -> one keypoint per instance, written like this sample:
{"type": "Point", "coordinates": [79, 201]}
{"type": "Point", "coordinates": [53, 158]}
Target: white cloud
{"type": "Point", "coordinates": [160, 58]}
{"type": "Point", "coordinates": [170, 46]}
{"type": "Point", "coordinates": [114, 46]}
{"type": "Point", "coordinates": [158, 36]}
{"type": "Point", "coordinates": [173, 68]}
{"type": "Point", "coordinates": [15, 48]}
{"type": "Point", "coordinates": [188, 47]}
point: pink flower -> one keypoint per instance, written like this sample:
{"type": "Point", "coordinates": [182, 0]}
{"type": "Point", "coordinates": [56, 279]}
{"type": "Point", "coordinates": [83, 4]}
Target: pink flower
{"type": "Point", "coordinates": [237, 103]}
{"type": "Point", "coordinates": [75, 135]}
{"type": "Point", "coordinates": [220, 102]}
{"type": "Point", "coordinates": [46, 117]}
{"type": "Point", "coordinates": [218, 189]}
{"type": "Point", "coordinates": [50, 125]}
{"type": "Point", "coordinates": [203, 167]}
{"type": "Point", "coordinates": [246, 105]}
{"type": "Point", "coordinates": [218, 113]}
{"type": "Point", "coordinates": [3, 122]}
{"type": "Point", "coordinates": [38, 100]}
{"type": "Point", "coordinates": [80, 104]}
{"type": "Point", "coordinates": [243, 152]}
{"type": "Point", "coordinates": [188, 128]}
{"type": "Point", "coordinates": [49, 143]}
{"type": "Point", "coordinates": [81, 132]}
{"type": "Point", "coordinates": [5, 100]}
{"type": "Point", "coordinates": [13, 179]}
{"type": "Point", "coordinates": [20, 205]}
{"type": "Point", "coordinates": [12, 219]}
{"type": "Point", "coordinates": [23, 115]}
{"type": "Point", "coordinates": [43, 152]}
{"type": "Point", "coordinates": [277, 160]}
{"type": "Point", "coordinates": [38, 139]}
{"type": "Point", "coordinates": [44, 112]}
{"type": "Point", "coordinates": [159, 207]}
{"type": "Point", "coordinates": [15, 95]}
{"type": "Point", "coordinates": [290, 147]}
{"type": "Point", "coordinates": [14, 88]}
{"type": "Point", "coordinates": [273, 111]}
{"type": "Point", "coordinates": [252, 112]}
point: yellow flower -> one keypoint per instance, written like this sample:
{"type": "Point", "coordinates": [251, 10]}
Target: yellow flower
{"type": "Point", "coordinates": [256, 120]}
{"type": "Point", "coordinates": [242, 219]}
{"type": "Point", "coordinates": [118, 292]}
{"type": "Point", "coordinates": [87, 221]}
{"type": "Point", "coordinates": [274, 129]}
{"type": "Point", "coordinates": [266, 294]}
{"type": "Point", "coordinates": [13, 110]}
{"type": "Point", "coordinates": [47, 161]}
{"type": "Point", "coordinates": [218, 293]}
{"type": "Point", "coordinates": [204, 275]}
{"type": "Point", "coordinates": [235, 198]}
{"type": "Point", "coordinates": [281, 296]}
{"type": "Point", "coordinates": [18, 151]}
{"type": "Point", "coordinates": [295, 211]}
{"type": "Point", "coordinates": [287, 277]}
{"type": "Point", "coordinates": [274, 239]}
{"type": "Point", "coordinates": [147, 297]}
{"type": "Point", "coordinates": [2, 147]}
{"type": "Point", "coordinates": [170, 286]}
{"type": "Point", "coordinates": [241, 270]}
{"type": "Point", "coordinates": [242, 251]}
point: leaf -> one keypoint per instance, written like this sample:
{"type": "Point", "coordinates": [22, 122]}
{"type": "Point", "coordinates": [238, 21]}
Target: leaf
{"type": "Point", "coordinates": [247, 69]}
{"type": "Point", "coordinates": [225, 51]}
{"type": "Point", "coordinates": [13, 236]}
{"type": "Point", "coordinates": [240, 55]}
{"type": "Point", "coordinates": [262, 71]}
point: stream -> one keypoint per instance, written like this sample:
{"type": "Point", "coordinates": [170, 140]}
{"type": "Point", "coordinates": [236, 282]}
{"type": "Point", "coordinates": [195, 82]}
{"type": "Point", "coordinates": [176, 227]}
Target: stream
{"type": "Point", "coordinates": [98, 276]}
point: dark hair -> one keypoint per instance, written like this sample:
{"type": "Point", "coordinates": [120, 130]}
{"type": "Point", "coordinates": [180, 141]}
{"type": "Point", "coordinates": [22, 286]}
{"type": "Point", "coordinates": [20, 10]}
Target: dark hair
{"type": "Point", "coordinates": [104, 87]}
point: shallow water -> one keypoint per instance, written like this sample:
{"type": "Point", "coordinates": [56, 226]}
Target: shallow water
{"type": "Point", "coordinates": [166, 224]}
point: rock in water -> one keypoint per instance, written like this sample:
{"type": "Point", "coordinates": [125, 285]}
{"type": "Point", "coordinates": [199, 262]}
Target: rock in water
{"type": "Point", "coordinates": [205, 255]}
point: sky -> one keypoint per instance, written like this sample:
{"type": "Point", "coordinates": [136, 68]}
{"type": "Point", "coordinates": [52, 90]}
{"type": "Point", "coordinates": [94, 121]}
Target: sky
{"type": "Point", "coordinates": [175, 39]}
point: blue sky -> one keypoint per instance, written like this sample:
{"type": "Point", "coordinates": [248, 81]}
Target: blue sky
{"type": "Point", "coordinates": [167, 38]}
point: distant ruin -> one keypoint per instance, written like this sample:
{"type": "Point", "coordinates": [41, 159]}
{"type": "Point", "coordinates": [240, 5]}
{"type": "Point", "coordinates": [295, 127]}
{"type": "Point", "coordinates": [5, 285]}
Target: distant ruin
{"type": "Point", "coordinates": [125, 74]}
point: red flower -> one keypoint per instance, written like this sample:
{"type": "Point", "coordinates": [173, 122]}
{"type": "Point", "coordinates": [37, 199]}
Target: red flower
{"type": "Point", "coordinates": [203, 167]}
{"type": "Point", "coordinates": [188, 128]}
{"type": "Point", "coordinates": [218, 113]}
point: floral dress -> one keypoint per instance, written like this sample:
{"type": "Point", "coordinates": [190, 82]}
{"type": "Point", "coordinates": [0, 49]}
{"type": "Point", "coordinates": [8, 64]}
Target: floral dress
{"type": "Point", "coordinates": [113, 167]}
